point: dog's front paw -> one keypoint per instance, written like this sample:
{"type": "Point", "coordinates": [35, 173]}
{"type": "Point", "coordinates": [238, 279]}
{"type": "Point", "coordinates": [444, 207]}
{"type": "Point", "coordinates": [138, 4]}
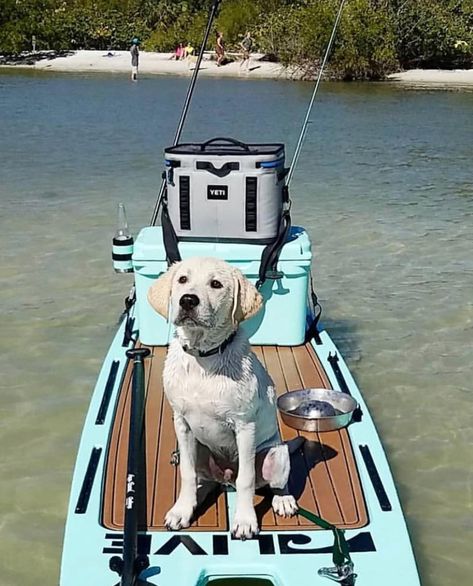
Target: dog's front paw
{"type": "Point", "coordinates": [284, 505]}
{"type": "Point", "coordinates": [245, 524]}
{"type": "Point", "coordinates": [180, 516]}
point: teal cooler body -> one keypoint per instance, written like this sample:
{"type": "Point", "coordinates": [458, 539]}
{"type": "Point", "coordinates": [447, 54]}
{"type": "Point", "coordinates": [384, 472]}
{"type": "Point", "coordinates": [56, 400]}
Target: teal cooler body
{"type": "Point", "coordinates": [281, 321]}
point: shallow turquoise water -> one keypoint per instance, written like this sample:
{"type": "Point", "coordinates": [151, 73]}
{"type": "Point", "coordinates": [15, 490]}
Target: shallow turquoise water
{"type": "Point", "coordinates": [386, 191]}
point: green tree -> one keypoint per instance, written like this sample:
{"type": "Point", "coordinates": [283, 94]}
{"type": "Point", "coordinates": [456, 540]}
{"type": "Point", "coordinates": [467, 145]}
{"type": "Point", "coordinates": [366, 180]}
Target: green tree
{"type": "Point", "coordinates": [364, 47]}
{"type": "Point", "coordinates": [236, 18]}
{"type": "Point", "coordinates": [434, 33]}
{"type": "Point", "coordinates": [374, 37]}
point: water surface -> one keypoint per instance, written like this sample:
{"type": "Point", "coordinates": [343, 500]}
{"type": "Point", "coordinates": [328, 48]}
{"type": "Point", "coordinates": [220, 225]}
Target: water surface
{"type": "Point", "coordinates": [384, 188]}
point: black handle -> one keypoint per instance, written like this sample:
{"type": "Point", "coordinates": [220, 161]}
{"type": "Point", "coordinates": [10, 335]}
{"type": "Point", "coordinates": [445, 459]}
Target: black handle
{"type": "Point", "coordinates": [232, 141]}
{"type": "Point", "coordinates": [138, 353]}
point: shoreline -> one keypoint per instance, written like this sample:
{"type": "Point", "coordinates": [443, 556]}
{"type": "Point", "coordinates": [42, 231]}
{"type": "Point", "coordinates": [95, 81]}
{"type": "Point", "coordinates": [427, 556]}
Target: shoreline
{"type": "Point", "coordinates": [150, 64]}
{"type": "Point", "coordinates": [165, 64]}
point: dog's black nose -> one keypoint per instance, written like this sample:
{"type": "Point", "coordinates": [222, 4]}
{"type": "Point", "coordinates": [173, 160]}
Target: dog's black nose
{"type": "Point", "coordinates": [188, 302]}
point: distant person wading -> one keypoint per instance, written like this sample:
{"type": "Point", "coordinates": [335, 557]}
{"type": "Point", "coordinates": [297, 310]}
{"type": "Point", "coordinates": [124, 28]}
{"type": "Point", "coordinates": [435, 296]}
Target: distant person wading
{"type": "Point", "coordinates": [135, 57]}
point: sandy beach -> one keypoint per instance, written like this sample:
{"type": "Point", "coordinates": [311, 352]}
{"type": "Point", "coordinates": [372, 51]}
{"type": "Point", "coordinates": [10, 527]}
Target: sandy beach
{"type": "Point", "coordinates": [165, 64]}
{"type": "Point", "coordinates": [434, 77]}
{"type": "Point", "coordinates": [154, 63]}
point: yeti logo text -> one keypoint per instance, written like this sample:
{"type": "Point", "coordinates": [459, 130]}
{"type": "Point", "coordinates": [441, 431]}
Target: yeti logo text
{"type": "Point", "coordinates": [217, 192]}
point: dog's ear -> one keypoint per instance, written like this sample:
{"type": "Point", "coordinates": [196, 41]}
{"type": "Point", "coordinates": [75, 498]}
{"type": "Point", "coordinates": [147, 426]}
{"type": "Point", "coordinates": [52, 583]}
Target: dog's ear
{"type": "Point", "coordinates": [247, 300]}
{"type": "Point", "coordinates": [159, 293]}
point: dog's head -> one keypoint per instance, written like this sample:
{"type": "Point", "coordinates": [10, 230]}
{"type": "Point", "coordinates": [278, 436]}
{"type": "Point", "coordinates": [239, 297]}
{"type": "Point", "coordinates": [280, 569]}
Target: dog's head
{"type": "Point", "coordinates": [205, 293]}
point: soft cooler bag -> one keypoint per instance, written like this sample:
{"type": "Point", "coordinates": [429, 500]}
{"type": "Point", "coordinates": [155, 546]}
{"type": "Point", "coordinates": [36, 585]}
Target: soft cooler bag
{"type": "Point", "coordinates": [224, 189]}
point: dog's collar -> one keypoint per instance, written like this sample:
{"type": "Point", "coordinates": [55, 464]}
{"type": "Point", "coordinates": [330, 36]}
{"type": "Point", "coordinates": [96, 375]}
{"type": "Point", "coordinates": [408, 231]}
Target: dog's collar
{"type": "Point", "coordinates": [212, 351]}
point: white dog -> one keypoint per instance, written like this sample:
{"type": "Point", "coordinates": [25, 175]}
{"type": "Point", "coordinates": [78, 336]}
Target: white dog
{"type": "Point", "coordinates": [222, 397]}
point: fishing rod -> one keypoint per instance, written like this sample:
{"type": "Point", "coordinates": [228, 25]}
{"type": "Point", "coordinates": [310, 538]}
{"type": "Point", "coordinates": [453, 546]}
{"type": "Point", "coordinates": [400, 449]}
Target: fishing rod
{"type": "Point", "coordinates": [312, 331]}
{"type": "Point", "coordinates": [303, 132]}
{"type": "Point", "coordinates": [270, 256]}
{"type": "Point", "coordinates": [187, 101]}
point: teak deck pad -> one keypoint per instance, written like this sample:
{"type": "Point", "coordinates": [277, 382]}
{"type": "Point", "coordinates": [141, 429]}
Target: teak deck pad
{"type": "Point", "coordinates": [324, 476]}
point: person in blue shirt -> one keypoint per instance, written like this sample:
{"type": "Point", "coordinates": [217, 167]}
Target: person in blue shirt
{"type": "Point", "coordinates": [135, 57]}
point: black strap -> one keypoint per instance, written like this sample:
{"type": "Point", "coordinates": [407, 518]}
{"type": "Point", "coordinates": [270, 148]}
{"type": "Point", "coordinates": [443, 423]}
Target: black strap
{"type": "Point", "coordinates": [271, 253]}
{"type": "Point", "coordinates": [251, 204]}
{"type": "Point", "coordinates": [313, 330]}
{"type": "Point", "coordinates": [169, 234]}
{"type": "Point", "coordinates": [185, 202]}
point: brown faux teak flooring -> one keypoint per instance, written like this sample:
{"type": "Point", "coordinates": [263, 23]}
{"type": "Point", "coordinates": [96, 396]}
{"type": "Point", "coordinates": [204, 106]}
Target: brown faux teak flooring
{"type": "Point", "coordinates": [324, 477]}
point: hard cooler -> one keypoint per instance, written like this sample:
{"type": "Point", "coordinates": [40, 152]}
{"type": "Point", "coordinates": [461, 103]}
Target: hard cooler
{"type": "Point", "coordinates": [225, 189]}
{"type": "Point", "coordinates": [281, 321]}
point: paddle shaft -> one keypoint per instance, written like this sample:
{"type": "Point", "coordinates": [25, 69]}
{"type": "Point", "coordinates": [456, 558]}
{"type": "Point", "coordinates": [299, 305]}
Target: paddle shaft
{"type": "Point", "coordinates": [187, 101]}
{"type": "Point", "coordinates": [133, 480]}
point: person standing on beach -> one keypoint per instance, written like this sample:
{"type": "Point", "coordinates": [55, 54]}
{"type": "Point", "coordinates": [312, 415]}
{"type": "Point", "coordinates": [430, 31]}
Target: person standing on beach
{"type": "Point", "coordinates": [246, 45]}
{"type": "Point", "coordinates": [135, 57]}
{"type": "Point", "coordinates": [219, 49]}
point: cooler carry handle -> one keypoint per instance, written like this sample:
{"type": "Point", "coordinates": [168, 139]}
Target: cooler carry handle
{"type": "Point", "coordinates": [232, 141]}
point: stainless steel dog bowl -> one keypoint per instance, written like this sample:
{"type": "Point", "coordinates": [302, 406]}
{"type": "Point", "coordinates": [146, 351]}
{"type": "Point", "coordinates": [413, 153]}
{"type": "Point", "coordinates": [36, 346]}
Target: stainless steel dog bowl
{"type": "Point", "coordinates": [316, 409]}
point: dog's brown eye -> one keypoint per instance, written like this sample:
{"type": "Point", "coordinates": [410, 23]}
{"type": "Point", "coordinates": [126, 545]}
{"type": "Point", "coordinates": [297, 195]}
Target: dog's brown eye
{"type": "Point", "coordinates": [182, 280]}
{"type": "Point", "coordinates": [215, 284]}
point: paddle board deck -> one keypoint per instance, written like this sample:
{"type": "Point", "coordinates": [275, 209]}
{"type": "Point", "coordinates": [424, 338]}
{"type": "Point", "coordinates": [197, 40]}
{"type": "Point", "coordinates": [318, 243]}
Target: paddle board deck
{"type": "Point", "coordinates": [343, 476]}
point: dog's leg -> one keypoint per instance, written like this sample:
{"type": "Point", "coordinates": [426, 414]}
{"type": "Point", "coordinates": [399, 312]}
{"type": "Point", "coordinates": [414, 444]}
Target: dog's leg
{"type": "Point", "coordinates": [181, 513]}
{"type": "Point", "coordinates": [276, 466]}
{"type": "Point", "coordinates": [275, 470]}
{"type": "Point", "coordinates": [245, 523]}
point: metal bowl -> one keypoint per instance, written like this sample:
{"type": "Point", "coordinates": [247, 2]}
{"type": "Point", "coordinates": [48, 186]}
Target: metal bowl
{"type": "Point", "coordinates": [316, 409]}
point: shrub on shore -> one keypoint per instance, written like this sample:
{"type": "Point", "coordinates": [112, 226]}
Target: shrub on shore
{"type": "Point", "coordinates": [364, 47]}
{"type": "Point", "coordinates": [434, 33]}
